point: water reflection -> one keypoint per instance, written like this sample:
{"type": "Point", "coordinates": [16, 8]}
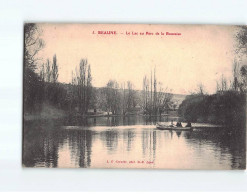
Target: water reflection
{"type": "Point", "coordinates": [49, 144]}
{"type": "Point", "coordinates": [115, 121]}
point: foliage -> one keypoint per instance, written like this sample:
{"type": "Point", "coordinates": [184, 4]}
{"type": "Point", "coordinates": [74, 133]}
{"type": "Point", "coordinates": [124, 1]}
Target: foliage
{"type": "Point", "coordinates": [226, 108]}
{"type": "Point", "coordinates": [33, 85]}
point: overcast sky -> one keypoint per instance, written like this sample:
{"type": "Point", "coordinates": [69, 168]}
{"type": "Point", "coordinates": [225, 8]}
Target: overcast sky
{"type": "Point", "coordinates": [201, 54]}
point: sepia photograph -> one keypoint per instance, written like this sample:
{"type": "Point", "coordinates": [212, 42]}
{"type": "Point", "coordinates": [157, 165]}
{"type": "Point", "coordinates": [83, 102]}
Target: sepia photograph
{"type": "Point", "coordinates": [144, 96]}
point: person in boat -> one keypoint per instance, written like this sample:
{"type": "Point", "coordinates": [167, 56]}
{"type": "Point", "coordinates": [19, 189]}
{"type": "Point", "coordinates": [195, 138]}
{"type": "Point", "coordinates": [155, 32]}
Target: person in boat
{"type": "Point", "coordinates": [179, 124]}
{"type": "Point", "coordinates": [171, 125]}
{"type": "Point", "coordinates": [188, 124]}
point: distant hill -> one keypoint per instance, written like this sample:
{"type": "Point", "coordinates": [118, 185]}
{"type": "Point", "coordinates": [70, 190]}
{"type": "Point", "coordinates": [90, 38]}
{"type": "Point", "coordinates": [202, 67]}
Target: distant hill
{"type": "Point", "coordinates": [177, 98]}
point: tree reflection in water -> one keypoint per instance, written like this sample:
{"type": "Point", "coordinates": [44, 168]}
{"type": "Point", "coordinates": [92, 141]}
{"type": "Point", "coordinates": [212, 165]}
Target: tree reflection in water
{"type": "Point", "coordinates": [47, 144]}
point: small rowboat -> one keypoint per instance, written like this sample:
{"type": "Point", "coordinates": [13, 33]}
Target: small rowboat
{"type": "Point", "coordinates": [165, 127]}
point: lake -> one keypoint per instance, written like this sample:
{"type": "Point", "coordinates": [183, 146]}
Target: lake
{"type": "Point", "coordinates": [130, 142]}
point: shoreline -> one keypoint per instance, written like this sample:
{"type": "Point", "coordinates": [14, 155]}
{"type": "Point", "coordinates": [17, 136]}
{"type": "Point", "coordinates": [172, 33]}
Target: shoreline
{"type": "Point", "coordinates": [30, 117]}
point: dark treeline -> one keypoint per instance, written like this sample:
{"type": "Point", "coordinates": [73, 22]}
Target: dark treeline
{"type": "Point", "coordinates": [40, 84]}
{"type": "Point", "coordinates": [42, 89]}
{"type": "Point", "coordinates": [226, 108]}
{"type": "Point", "coordinates": [33, 96]}
{"type": "Point", "coordinates": [228, 105]}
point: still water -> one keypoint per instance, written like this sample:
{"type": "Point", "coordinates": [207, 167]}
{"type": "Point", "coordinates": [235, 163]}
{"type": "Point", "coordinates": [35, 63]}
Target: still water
{"type": "Point", "coordinates": [129, 142]}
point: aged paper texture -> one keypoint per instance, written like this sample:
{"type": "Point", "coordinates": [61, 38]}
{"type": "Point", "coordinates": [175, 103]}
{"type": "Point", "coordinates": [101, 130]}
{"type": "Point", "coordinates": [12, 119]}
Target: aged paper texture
{"type": "Point", "coordinates": [134, 96]}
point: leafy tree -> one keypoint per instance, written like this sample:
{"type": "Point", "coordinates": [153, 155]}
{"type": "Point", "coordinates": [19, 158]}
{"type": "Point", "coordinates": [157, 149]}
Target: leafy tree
{"type": "Point", "coordinates": [33, 87]}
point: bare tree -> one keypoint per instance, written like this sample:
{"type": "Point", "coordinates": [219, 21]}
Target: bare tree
{"type": "Point", "coordinates": [164, 99]}
{"type": "Point", "coordinates": [223, 83]}
{"type": "Point", "coordinates": [32, 45]}
{"type": "Point", "coordinates": [235, 71]}
{"type": "Point", "coordinates": [54, 70]}
{"type": "Point", "coordinates": [149, 94]}
{"type": "Point", "coordinates": [42, 73]}
{"type": "Point", "coordinates": [124, 99]}
{"type": "Point", "coordinates": [145, 94]}
{"type": "Point", "coordinates": [154, 110]}
{"type": "Point", "coordinates": [217, 86]}
{"type": "Point", "coordinates": [113, 100]}
{"type": "Point", "coordinates": [201, 89]}
{"type": "Point", "coordinates": [83, 86]}
{"type": "Point", "coordinates": [48, 72]}
{"type": "Point", "coordinates": [89, 89]}
{"type": "Point", "coordinates": [130, 96]}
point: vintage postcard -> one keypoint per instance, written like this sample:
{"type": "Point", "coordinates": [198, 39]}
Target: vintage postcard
{"type": "Point", "coordinates": [134, 96]}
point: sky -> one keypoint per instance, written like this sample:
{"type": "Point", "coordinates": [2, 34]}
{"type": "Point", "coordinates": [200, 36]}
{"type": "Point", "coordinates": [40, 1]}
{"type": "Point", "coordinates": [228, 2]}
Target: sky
{"type": "Point", "coordinates": [200, 54]}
